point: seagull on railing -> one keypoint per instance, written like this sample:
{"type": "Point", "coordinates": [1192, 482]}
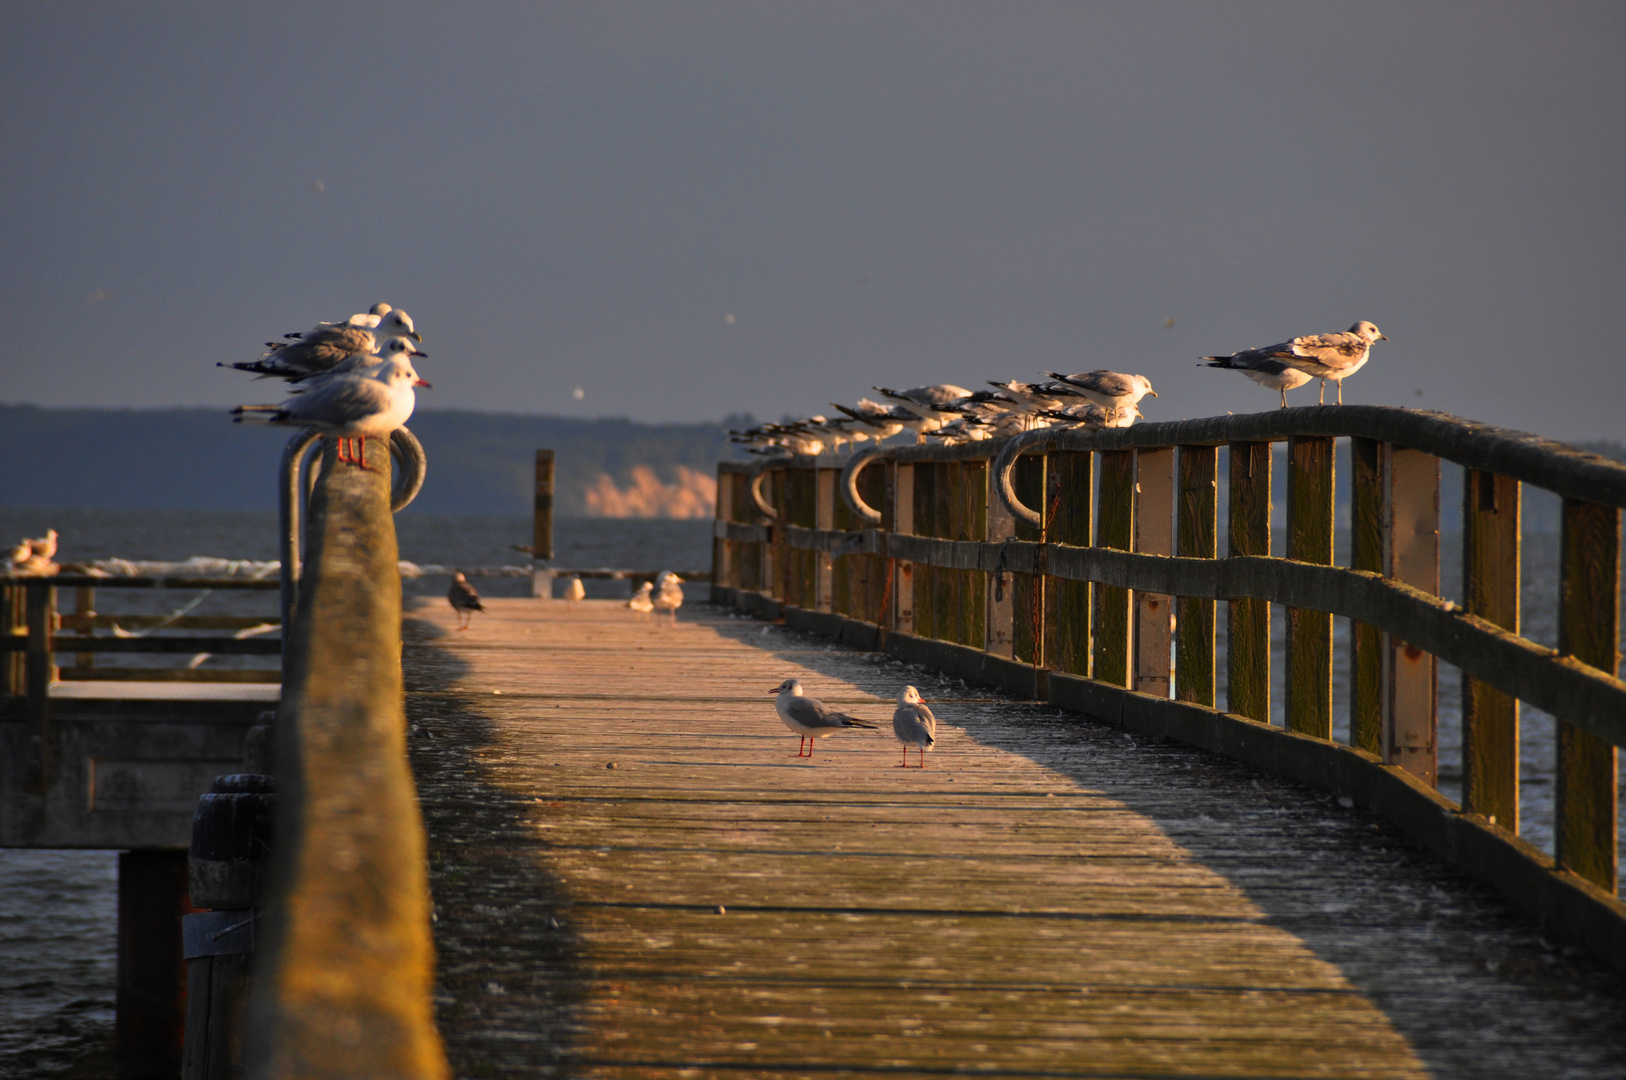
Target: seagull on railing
{"type": "Point", "coordinates": [914, 725]}
{"type": "Point", "coordinates": [1321, 356]}
{"type": "Point", "coordinates": [464, 600]}
{"type": "Point", "coordinates": [372, 400]}
{"type": "Point", "coordinates": [327, 346]}
{"type": "Point", "coordinates": [884, 420]}
{"type": "Point", "coordinates": [1109, 389]}
{"type": "Point", "coordinates": [1263, 369]}
{"type": "Point", "coordinates": [809, 717]}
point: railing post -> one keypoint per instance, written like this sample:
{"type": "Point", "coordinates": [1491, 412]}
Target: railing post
{"type": "Point", "coordinates": [1491, 513]}
{"type": "Point", "coordinates": [824, 515]}
{"type": "Point", "coordinates": [1247, 646]}
{"type": "Point", "coordinates": [13, 623]}
{"type": "Point", "coordinates": [1001, 587]}
{"type": "Point", "coordinates": [542, 574]}
{"type": "Point", "coordinates": [1074, 480]}
{"type": "Point", "coordinates": [1309, 539]}
{"type": "Point", "coordinates": [1368, 467]}
{"type": "Point", "coordinates": [722, 549]}
{"type": "Point", "coordinates": [1411, 555]}
{"type": "Point", "coordinates": [1030, 478]}
{"type": "Point", "coordinates": [903, 523]}
{"type": "Point", "coordinates": [1588, 630]}
{"type": "Point", "coordinates": [1114, 528]}
{"type": "Point", "coordinates": [1198, 539]}
{"type": "Point", "coordinates": [344, 973]}
{"type": "Point", "coordinates": [1154, 535]}
{"type": "Point", "coordinates": [39, 673]}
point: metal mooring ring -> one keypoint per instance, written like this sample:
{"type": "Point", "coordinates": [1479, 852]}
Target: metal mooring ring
{"type": "Point", "coordinates": [849, 484]}
{"type": "Point", "coordinates": [764, 507]}
{"type": "Point", "coordinates": [1015, 446]}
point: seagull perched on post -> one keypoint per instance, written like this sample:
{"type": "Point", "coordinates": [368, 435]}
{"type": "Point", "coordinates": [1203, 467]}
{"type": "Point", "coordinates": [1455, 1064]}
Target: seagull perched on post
{"type": "Point", "coordinates": [464, 600]}
{"type": "Point", "coordinates": [914, 725]}
{"type": "Point", "coordinates": [327, 346]}
{"type": "Point", "coordinates": [809, 717]}
{"type": "Point", "coordinates": [1321, 356]}
{"type": "Point", "coordinates": [1263, 369]}
{"type": "Point", "coordinates": [1108, 389]}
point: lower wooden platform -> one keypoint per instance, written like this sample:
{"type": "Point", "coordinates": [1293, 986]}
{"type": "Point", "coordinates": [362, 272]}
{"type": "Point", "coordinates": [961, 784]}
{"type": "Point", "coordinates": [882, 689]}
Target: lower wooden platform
{"type": "Point", "coordinates": [634, 877]}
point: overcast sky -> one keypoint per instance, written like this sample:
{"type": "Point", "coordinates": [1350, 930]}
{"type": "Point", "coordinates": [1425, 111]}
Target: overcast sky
{"type": "Point", "coordinates": [582, 195]}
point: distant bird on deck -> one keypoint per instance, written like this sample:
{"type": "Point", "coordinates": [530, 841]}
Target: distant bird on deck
{"type": "Point", "coordinates": [914, 725]}
{"type": "Point", "coordinates": [668, 594]}
{"type": "Point", "coordinates": [809, 717]}
{"type": "Point", "coordinates": [641, 601]}
{"type": "Point", "coordinates": [574, 592]}
{"type": "Point", "coordinates": [1321, 356]}
{"type": "Point", "coordinates": [464, 600]}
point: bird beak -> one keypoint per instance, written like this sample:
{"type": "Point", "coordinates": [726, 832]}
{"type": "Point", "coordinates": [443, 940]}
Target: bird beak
{"type": "Point", "coordinates": [1383, 337]}
{"type": "Point", "coordinates": [422, 383]}
{"type": "Point", "coordinates": [1149, 390]}
{"type": "Point", "coordinates": [417, 337]}
{"type": "Point", "coordinates": [774, 692]}
{"type": "Point", "coordinates": [420, 352]}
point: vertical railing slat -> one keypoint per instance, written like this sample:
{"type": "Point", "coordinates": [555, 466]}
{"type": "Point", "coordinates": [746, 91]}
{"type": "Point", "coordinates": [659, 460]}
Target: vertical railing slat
{"type": "Point", "coordinates": [39, 671]}
{"type": "Point", "coordinates": [1491, 513]}
{"type": "Point", "coordinates": [1114, 528]}
{"type": "Point", "coordinates": [1069, 650]}
{"type": "Point", "coordinates": [1198, 539]}
{"type": "Point", "coordinates": [824, 516]}
{"type": "Point", "coordinates": [1154, 535]}
{"type": "Point", "coordinates": [999, 628]}
{"type": "Point", "coordinates": [1027, 614]}
{"type": "Point", "coordinates": [902, 505]}
{"type": "Point", "coordinates": [1247, 635]}
{"type": "Point", "coordinates": [1588, 630]}
{"type": "Point", "coordinates": [1367, 469]}
{"type": "Point", "coordinates": [1412, 555]}
{"type": "Point", "coordinates": [1309, 539]}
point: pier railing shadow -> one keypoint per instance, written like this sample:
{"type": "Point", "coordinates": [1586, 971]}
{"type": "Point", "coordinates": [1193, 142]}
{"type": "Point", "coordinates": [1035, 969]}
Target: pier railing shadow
{"type": "Point", "coordinates": [1082, 567]}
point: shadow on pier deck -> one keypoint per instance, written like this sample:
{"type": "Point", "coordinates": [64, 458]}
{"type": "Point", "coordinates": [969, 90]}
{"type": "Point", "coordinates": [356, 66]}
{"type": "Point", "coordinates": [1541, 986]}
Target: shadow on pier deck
{"type": "Point", "coordinates": [633, 877]}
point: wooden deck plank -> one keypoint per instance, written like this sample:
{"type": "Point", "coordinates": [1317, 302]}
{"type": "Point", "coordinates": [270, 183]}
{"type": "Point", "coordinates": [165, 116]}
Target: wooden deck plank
{"type": "Point", "coordinates": [1047, 898]}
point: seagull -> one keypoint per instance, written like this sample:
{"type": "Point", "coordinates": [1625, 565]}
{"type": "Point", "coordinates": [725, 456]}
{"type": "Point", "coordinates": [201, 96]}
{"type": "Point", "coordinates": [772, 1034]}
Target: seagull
{"type": "Point", "coordinates": [326, 346]}
{"type": "Point", "coordinates": [464, 600]}
{"type": "Point", "coordinates": [1109, 389]}
{"type": "Point", "coordinates": [809, 717]}
{"type": "Point", "coordinates": [44, 547]}
{"type": "Point", "coordinates": [914, 725]}
{"type": "Point", "coordinates": [371, 400]}
{"type": "Point", "coordinates": [1323, 356]}
{"type": "Point", "coordinates": [640, 601]}
{"type": "Point", "coordinates": [668, 594]}
{"type": "Point", "coordinates": [1262, 369]}
{"type": "Point", "coordinates": [574, 591]}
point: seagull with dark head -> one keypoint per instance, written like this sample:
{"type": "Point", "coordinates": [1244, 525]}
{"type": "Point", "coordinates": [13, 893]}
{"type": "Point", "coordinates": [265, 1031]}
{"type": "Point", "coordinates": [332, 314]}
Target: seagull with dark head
{"type": "Point", "coordinates": [809, 717]}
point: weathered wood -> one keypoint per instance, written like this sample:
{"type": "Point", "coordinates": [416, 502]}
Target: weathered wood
{"type": "Point", "coordinates": [1154, 535]}
{"type": "Point", "coordinates": [1310, 502]}
{"type": "Point", "coordinates": [824, 518]}
{"type": "Point", "coordinates": [1028, 610]}
{"type": "Point", "coordinates": [1585, 809]}
{"type": "Point", "coordinates": [150, 998]}
{"type": "Point", "coordinates": [1114, 528]}
{"type": "Point", "coordinates": [38, 673]}
{"type": "Point", "coordinates": [84, 607]}
{"type": "Point", "coordinates": [1368, 459]}
{"type": "Point", "coordinates": [901, 507]}
{"type": "Point", "coordinates": [1198, 539]}
{"type": "Point", "coordinates": [999, 587]}
{"type": "Point", "coordinates": [542, 508]}
{"type": "Point", "coordinates": [1069, 648]}
{"type": "Point", "coordinates": [343, 973]}
{"type": "Point", "coordinates": [724, 551]}
{"type": "Point", "coordinates": [13, 623]}
{"type": "Point", "coordinates": [1411, 555]}
{"type": "Point", "coordinates": [1491, 514]}
{"type": "Point", "coordinates": [1247, 640]}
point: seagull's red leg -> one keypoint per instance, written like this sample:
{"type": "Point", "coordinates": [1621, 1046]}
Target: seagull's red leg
{"type": "Point", "coordinates": [905, 764]}
{"type": "Point", "coordinates": [922, 757]}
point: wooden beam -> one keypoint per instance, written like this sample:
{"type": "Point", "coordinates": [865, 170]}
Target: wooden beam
{"type": "Point", "coordinates": [1247, 648]}
{"type": "Point", "coordinates": [1368, 458]}
{"type": "Point", "coordinates": [1199, 539]}
{"type": "Point", "coordinates": [1309, 539]}
{"type": "Point", "coordinates": [1588, 630]}
{"type": "Point", "coordinates": [1114, 528]}
{"type": "Point", "coordinates": [1069, 646]}
{"type": "Point", "coordinates": [1412, 555]}
{"type": "Point", "coordinates": [1491, 513]}
{"type": "Point", "coordinates": [1154, 535]}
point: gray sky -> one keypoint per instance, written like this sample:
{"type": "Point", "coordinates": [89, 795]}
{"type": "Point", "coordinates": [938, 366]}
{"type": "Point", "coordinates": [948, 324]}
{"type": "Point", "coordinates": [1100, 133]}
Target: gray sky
{"type": "Point", "coordinates": [577, 195]}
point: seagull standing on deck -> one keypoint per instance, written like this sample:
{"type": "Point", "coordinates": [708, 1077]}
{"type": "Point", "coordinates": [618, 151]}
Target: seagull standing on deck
{"type": "Point", "coordinates": [914, 725]}
{"type": "Point", "coordinates": [809, 717]}
{"type": "Point", "coordinates": [574, 592]}
{"type": "Point", "coordinates": [668, 594]}
{"type": "Point", "coordinates": [464, 600]}
{"type": "Point", "coordinates": [641, 602]}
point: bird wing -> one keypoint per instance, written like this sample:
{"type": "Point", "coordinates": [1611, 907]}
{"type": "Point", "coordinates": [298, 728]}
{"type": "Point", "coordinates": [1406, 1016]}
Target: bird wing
{"type": "Point", "coordinates": [813, 713]}
{"type": "Point", "coordinates": [1108, 383]}
{"type": "Point", "coordinates": [339, 400]}
{"type": "Point", "coordinates": [463, 596]}
{"type": "Point", "coordinates": [1330, 350]}
{"type": "Point", "coordinates": [914, 724]}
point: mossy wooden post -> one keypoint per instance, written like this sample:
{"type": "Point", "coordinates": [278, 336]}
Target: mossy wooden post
{"type": "Point", "coordinates": [13, 623]}
{"type": "Point", "coordinates": [542, 526]}
{"type": "Point", "coordinates": [1367, 469]}
{"type": "Point", "coordinates": [824, 518]}
{"type": "Point", "coordinates": [1411, 546]}
{"type": "Point", "coordinates": [39, 672]}
{"type": "Point", "coordinates": [998, 627]}
{"type": "Point", "coordinates": [1491, 515]}
{"type": "Point", "coordinates": [1154, 535]}
{"type": "Point", "coordinates": [344, 971]}
{"type": "Point", "coordinates": [722, 553]}
{"type": "Point", "coordinates": [925, 585]}
{"type": "Point", "coordinates": [1309, 539]}
{"type": "Point", "coordinates": [1027, 613]}
{"type": "Point", "coordinates": [1588, 630]}
{"type": "Point", "coordinates": [903, 521]}
{"type": "Point", "coordinates": [1114, 528]}
{"type": "Point", "coordinates": [1070, 646]}
{"type": "Point", "coordinates": [1247, 635]}
{"type": "Point", "coordinates": [1198, 539]}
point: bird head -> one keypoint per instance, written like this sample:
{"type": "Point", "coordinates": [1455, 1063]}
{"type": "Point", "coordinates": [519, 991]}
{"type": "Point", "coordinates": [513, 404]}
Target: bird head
{"type": "Point", "coordinates": [1366, 330]}
{"type": "Point", "coordinates": [908, 696]}
{"type": "Point", "coordinates": [789, 686]}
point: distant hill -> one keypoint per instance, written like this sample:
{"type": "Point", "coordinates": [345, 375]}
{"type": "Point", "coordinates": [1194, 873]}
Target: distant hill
{"type": "Point", "coordinates": [479, 463]}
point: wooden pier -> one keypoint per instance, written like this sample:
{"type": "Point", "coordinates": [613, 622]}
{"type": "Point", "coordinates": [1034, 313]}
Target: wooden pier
{"type": "Point", "coordinates": [634, 877]}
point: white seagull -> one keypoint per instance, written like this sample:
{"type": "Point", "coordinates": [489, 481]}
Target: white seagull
{"type": "Point", "coordinates": [1263, 369]}
{"type": "Point", "coordinates": [1323, 356]}
{"type": "Point", "coordinates": [371, 400]}
{"type": "Point", "coordinates": [1108, 389]}
{"type": "Point", "coordinates": [326, 346]}
{"type": "Point", "coordinates": [641, 602]}
{"type": "Point", "coordinates": [914, 725]}
{"type": "Point", "coordinates": [809, 717]}
{"type": "Point", "coordinates": [668, 594]}
{"type": "Point", "coordinates": [575, 591]}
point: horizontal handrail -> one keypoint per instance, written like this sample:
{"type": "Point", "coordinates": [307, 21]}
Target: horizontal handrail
{"type": "Point", "coordinates": [220, 646]}
{"type": "Point", "coordinates": [97, 581]}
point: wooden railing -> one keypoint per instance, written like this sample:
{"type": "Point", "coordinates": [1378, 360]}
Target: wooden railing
{"type": "Point", "coordinates": [1083, 567]}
